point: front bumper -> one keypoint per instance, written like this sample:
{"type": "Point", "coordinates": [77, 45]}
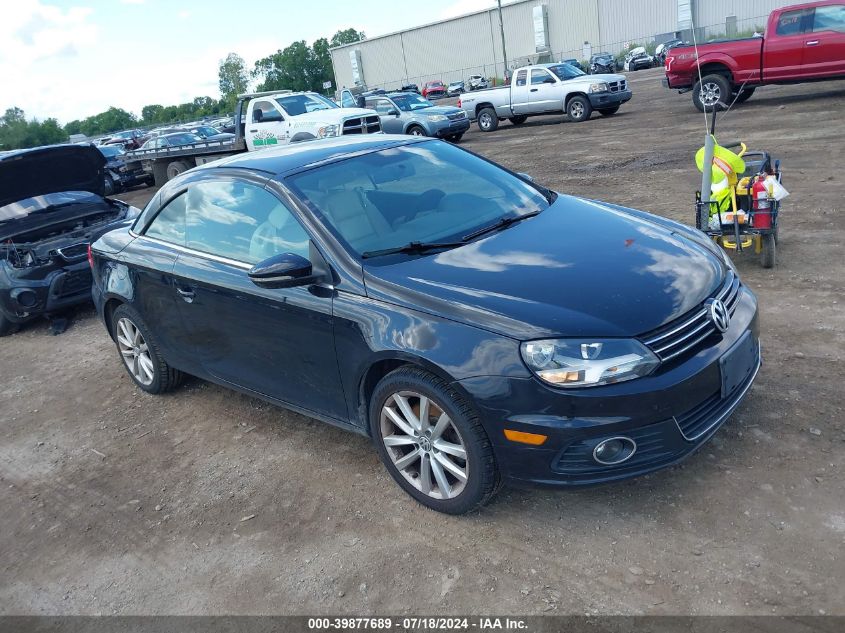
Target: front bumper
{"type": "Point", "coordinates": [609, 99]}
{"type": "Point", "coordinates": [22, 299]}
{"type": "Point", "coordinates": [669, 415]}
{"type": "Point", "coordinates": [450, 128]}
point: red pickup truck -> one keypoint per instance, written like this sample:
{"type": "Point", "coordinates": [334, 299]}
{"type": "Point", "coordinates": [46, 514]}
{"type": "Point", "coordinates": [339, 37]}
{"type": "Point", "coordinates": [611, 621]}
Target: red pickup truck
{"type": "Point", "coordinates": [803, 42]}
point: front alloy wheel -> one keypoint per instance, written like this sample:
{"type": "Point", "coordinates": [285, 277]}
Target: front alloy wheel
{"type": "Point", "coordinates": [424, 445]}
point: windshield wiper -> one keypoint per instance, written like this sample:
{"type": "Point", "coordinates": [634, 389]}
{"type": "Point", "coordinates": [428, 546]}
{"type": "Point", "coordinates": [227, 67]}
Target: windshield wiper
{"type": "Point", "coordinates": [412, 247]}
{"type": "Point", "coordinates": [500, 224]}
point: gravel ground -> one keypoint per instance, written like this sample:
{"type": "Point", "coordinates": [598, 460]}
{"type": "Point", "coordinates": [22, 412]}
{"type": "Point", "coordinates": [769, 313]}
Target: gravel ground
{"type": "Point", "coordinates": [207, 502]}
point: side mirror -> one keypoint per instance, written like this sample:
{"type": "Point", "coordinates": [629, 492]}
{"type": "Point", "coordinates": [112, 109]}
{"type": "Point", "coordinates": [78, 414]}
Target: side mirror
{"type": "Point", "coordinates": [549, 80]}
{"type": "Point", "coordinates": [282, 271]}
{"type": "Point", "coordinates": [393, 112]}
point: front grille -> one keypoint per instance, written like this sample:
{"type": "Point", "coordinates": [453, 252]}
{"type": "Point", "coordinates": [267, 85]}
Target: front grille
{"type": "Point", "coordinates": [73, 253]}
{"type": "Point", "coordinates": [704, 417]}
{"type": "Point", "coordinates": [687, 333]}
{"type": "Point", "coordinates": [457, 115]}
{"type": "Point", "coordinates": [617, 86]}
{"type": "Point", "coordinates": [652, 448]}
{"type": "Point", "coordinates": [73, 283]}
{"type": "Point", "coordinates": [362, 125]}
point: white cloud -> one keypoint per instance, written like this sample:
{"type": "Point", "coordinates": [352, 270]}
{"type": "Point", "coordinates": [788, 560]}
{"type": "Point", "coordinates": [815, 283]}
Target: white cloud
{"type": "Point", "coordinates": [131, 1]}
{"type": "Point", "coordinates": [184, 15]}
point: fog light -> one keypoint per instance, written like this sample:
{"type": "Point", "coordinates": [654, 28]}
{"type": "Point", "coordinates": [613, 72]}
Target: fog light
{"type": "Point", "coordinates": [25, 298]}
{"type": "Point", "coordinates": [614, 450]}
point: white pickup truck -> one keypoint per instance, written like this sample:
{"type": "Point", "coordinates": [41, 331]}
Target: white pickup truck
{"type": "Point", "coordinates": [267, 119]}
{"type": "Point", "coordinates": [546, 89]}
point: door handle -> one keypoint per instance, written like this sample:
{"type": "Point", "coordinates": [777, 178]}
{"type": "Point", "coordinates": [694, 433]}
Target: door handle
{"type": "Point", "coordinates": [812, 43]}
{"type": "Point", "coordinates": [534, 90]}
{"type": "Point", "coordinates": [251, 131]}
{"type": "Point", "coordinates": [188, 295]}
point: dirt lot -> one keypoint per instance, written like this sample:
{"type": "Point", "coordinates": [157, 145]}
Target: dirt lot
{"type": "Point", "coordinates": [118, 502]}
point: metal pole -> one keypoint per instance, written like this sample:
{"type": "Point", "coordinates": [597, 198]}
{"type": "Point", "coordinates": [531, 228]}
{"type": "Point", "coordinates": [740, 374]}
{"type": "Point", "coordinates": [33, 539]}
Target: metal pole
{"type": "Point", "coordinates": [504, 52]}
{"type": "Point", "coordinates": [706, 181]}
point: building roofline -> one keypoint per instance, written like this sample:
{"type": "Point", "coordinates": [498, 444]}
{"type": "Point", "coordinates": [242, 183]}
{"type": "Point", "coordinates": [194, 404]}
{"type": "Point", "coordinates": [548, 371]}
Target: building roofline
{"type": "Point", "coordinates": [428, 24]}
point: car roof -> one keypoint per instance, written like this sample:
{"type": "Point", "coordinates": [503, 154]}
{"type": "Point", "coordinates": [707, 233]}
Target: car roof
{"type": "Point", "coordinates": [294, 157]}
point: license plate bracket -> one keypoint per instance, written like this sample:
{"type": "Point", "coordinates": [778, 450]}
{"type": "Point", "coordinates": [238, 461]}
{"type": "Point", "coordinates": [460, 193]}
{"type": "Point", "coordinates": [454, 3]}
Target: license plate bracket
{"type": "Point", "coordinates": [738, 363]}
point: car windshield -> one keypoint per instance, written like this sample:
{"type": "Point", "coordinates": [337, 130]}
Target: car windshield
{"type": "Point", "coordinates": [411, 102]}
{"type": "Point", "coordinates": [205, 130]}
{"type": "Point", "coordinates": [421, 192]}
{"type": "Point", "coordinates": [300, 104]}
{"type": "Point", "coordinates": [566, 71]}
{"type": "Point", "coordinates": [110, 151]}
{"type": "Point", "coordinates": [182, 139]}
{"type": "Point", "coordinates": [22, 208]}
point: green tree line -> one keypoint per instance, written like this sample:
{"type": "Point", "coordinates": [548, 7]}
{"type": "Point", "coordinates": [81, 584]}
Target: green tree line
{"type": "Point", "coordinates": [297, 67]}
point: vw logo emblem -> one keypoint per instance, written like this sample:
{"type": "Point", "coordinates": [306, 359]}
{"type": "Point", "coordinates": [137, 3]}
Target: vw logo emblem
{"type": "Point", "coordinates": [719, 314]}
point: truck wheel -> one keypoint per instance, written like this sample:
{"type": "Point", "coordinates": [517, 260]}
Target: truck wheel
{"type": "Point", "coordinates": [159, 173]}
{"type": "Point", "coordinates": [609, 111]}
{"type": "Point", "coordinates": [579, 108]}
{"type": "Point", "coordinates": [175, 168]}
{"type": "Point", "coordinates": [519, 119]}
{"type": "Point", "coordinates": [769, 251]}
{"type": "Point", "coordinates": [488, 120]}
{"type": "Point", "coordinates": [416, 130]}
{"type": "Point", "coordinates": [108, 187]}
{"type": "Point", "coordinates": [744, 95]}
{"type": "Point", "coordinates": [711, 90]}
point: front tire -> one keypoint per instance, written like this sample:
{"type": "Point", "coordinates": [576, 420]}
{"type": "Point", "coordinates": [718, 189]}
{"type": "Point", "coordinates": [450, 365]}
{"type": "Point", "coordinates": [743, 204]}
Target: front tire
{"type": "Point", "coordinates": [609, 111]}
{"type": "Point", "coordinates": [456, 138]}
{"type": "Point", "coordinates": [109, 186]}
{"type": "Point", "coordinates": [140, 353]}
{"type": "Point", "coordinates": [488, 120]}
{"type": "Point", "coordinates": [431, 442]}
{"type": "Point", "coordinates": [518, 119]}
{"type": "Point", "coordinates": [711, 90]}
{"type": "Point", "coordinates": [6, 326]}
{"type": "Point", "coordinates": [579, 109]}
{"type": "Point", "coordinates": [416, 130]}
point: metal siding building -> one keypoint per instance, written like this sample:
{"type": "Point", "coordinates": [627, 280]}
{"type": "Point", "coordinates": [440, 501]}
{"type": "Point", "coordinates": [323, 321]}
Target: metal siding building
{"type": "Point", "coordinates": [471, 44]}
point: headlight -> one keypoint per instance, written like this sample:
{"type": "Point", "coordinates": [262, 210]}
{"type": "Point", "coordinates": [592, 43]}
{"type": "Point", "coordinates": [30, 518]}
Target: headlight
{"type": "Point", "coordinates": [327, 131]}
{"type": "Point", "coordinates": [588, 362]}
{"type": "Point", "coordinates": [598, 87]}
{"type": "Point", "coordinates": [436, 118]}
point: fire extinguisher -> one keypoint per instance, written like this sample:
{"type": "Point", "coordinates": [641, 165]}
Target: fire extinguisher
{"type": "Point", "coordinates": [762, 205]}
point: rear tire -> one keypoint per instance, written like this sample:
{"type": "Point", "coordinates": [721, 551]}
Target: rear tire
{"type": "Point", "coordinates": [444, 460]}
{"type": "Point", "coordinates": [768, 254]}
{"type": "Point", "coordinates": [175, 168]}
{"type": "Point", "coordinates": [744, 95]}
{"type": "Point", "coordinates": [579, 109]}
{"type": "Point", "coordinates": [488, 120]}
{"type": "Point", "coordinates": [519, 119]}
{"type": "Point", "coordinates": [140, 353]}
{"type": "Point", "coordinates": [711, 90]}
{"type": "Point", "coordinates": [609, 111]}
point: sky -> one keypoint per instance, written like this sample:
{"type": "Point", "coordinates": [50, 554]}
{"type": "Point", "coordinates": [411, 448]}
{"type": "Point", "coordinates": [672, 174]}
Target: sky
{"type": "Point", "coordinates": [69, 59]}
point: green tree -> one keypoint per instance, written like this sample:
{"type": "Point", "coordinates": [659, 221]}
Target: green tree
{"type": "Point", "coordinates": [16, 132]}
{"type": "Point", "coordinates": [347, 36]}
{"type": "Point", "coordinates": [233, 78]}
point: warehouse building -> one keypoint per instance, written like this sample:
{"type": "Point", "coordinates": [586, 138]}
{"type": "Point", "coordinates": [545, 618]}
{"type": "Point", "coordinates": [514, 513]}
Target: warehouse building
{"type": "Point", "coordinates": [535, 31]}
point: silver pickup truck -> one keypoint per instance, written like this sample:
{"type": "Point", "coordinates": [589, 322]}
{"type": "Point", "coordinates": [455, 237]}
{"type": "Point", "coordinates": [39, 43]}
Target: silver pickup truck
{"type": "Point", "coordinates": [546, 89]}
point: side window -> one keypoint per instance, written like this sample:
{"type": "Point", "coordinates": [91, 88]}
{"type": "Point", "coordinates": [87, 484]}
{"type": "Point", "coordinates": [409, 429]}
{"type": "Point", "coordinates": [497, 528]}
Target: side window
{"type": "Point", "coordinates": [830, 18]}
{"type": "Point", "coordinates": [793, 22]}
{"type": "Point", "coordinates": [169, 224]}
{"type": "Point", "coordinates": [264, 112]}
{"type": "Point", "coordinates": [539, 76]}
{"type": "Point", "coordinates": [346, 99]}
{"type": "Point", "coordinates": [521, 76]}
{"type": "Point", "coordinates": [383, 106]}
{"type": "Point", "coordinates": [240, 221]}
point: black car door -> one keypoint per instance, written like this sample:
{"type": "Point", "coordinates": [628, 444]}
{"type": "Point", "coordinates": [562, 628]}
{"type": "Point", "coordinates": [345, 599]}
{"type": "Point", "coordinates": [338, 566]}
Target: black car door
{"type": "Point", "coordinates": [277, 342]}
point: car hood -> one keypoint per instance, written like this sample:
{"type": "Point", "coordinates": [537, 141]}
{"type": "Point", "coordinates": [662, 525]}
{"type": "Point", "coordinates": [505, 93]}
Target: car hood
{"type": "Point", "coordinates": [446, 110]}
{"type": "Point", "coordinates": [43, 170]}
{"type": "Point", "coordinates": [580, 268]}
{"type": "Point", "coordinates": [608, 77]}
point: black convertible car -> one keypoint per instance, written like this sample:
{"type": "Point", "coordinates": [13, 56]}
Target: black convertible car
{"type": "Point", "coordinates": [51, 208]}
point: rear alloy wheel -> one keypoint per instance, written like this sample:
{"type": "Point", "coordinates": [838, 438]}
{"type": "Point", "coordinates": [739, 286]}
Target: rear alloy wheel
{"type": "Point", "coordinates": [579, 109]}
{"type": "Point", "coordinates": [710, 91]}
{"type": "Point", "coordinates": [488, 120]}
{"type": "Point", "coordinates": [140, 354]}
{"type": "Point", "coordinates": [431, 442]}
{"type": "Point", "coordinates": [416, 130]}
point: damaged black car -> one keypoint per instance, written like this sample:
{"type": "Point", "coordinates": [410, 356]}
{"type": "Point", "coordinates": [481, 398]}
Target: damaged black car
{"type": "Point", "coordinates": [52, 206]}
